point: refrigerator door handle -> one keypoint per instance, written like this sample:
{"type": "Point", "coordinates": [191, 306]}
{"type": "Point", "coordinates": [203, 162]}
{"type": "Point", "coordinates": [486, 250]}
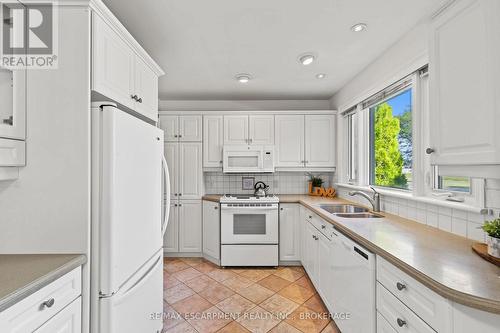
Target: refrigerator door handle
{"type": "Point", "coordinates": [144, 276]}
{"type": "Point", "coordinates": [166, 204]}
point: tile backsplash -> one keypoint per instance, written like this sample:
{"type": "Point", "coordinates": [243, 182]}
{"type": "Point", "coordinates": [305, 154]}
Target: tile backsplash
{"type": "Point", "coordinates": [279, 182]}
{"type": "Point", "coordinates": [459, 222]}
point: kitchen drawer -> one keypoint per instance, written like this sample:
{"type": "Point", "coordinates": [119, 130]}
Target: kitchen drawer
{"type": "Point", "coordinates": [398, 315]}
{"type": "Point", "coordinates": [68, 320]}
{"type": "Point", "coordinates": [31, 312]}
{"type": "Point", "coordinates": [383, 325]}
{"type": "Point", "coordinates": [432, 308]}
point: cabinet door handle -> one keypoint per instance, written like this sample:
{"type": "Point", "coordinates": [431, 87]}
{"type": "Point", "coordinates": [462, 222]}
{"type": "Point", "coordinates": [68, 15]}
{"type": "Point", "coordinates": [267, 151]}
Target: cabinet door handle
{"type": "Point", "coordinates": [400, 286]}
{"type": "Point", "coordinates": [429, 151]}
{"type": "Point", "coordinates": [180, 194]}
{"type": "Point", "coordinates": [48, 303]}
{"type": "Point", "coordinates": [281, 208]}
{"type": "Point", "coordinates": [216, 207]}
{"type": "Point", "coordinates": [175, 205]}
{"type": "Point", "coordinates": [180, 205]}
{"type": "Point", "coordinates": [401, 322]}
{"type": "Point", "coordinates": [180, 135]}
{"type": "Point", "coordinates": [175, 135]}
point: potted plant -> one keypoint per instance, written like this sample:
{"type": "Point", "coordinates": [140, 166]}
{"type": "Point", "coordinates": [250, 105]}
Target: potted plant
{"type": "Point", "coordinates": [492, 228]}
{"type": "Point", "coordinates": [314, 182]}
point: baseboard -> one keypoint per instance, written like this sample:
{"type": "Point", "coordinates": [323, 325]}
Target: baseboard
{"type": "Point", "coordinates": [182, 254]}
{"type": "Point", "coordinates": [290, 263]}
{"type": "Point", "coordinates": [211, 259]}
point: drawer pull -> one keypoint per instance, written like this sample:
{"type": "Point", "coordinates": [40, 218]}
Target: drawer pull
{"type": "Point", "coordinates": [400, 286]}
{"type": "Point", "coordinates": [310, 216]}
{"type": "Point", "coordinates": [323, 226]}
{"type": "Point", "coordinates": [48, 303]}
{"type": "Point", "coordinates": [401, 322]}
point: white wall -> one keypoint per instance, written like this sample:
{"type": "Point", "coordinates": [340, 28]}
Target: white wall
{"type": "Point", "coordinates": [243, 105]}
{"type": "Point", "coordinates": [47, 210]}
{"type": "Point", "coordinates": [402, 58]}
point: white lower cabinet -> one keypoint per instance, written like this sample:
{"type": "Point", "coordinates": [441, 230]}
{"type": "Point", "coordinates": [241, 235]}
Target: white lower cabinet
{"type": "Point", "coordinates": [49, 309]}
{"type": "Point", "coordinates": [311, 253]}
{"type": "Point", "coordinates": [183, 233]}
{"type": "Point", "coordinates": [401, 318]}
{"type": "Point", "coordinates": [289, 232]}
{"type": "Point", "coordinates": [211, 229]}
{"type": "Point", "coordinates": [432, 308]}
{"type": "Point", "coordinates": [190, 226]}
{"type": "Point", "coordinates": [383, 325]}
{"type": "Point", "coordinates": [171, 238]}
{"type": "Point", "coordinates": [69, 320]}
{"type": "Point", "coordinates": [325, 270]}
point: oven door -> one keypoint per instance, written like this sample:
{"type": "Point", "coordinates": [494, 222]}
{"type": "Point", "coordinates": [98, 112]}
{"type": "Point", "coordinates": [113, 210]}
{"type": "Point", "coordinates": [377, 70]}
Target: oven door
{"type": "Point", "coordinates": [249, 223]}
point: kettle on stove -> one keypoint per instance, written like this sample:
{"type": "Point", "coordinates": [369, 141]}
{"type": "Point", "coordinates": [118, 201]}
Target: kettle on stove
{"type": "Point", "coordinates": [260, 189]}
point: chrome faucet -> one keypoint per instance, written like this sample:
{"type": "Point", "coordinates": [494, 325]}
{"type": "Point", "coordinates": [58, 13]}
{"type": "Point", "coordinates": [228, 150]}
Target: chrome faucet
{"type": "Point", "coordinates": [375, 200]}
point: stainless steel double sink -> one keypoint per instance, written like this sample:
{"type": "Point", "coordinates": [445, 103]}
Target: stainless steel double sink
{"type": "Point", "coordinates": [348, 211]}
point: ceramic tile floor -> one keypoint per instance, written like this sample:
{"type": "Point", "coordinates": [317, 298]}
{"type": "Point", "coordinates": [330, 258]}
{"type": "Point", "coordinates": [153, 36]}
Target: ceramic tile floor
{"type": "Point", "coordinates": [202, 297]}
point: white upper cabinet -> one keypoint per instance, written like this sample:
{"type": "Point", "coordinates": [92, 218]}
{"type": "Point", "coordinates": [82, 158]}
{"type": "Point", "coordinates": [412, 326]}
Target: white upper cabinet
{"type": "Point", "coordinates": [236, 130]}
{"type": "Point", "coordinates": [119, 73]}
{"type": "Point", "coordinates": [169, 125]}
{"type": "Point", "coordinates": [465, 95]}
{"type": "Point", "coordinates": [245, 129]}
{"type": "Point", "coordinates": [289, 149]}
{"type": "Point", "coordinates": [181, 128]}
{"type": "Point", "coordinates": [190, 171]}
{"type": "Point", "coordinates": [113, 64]}
{"type": "Point", "coordinates": [261, 129]}
{"type": "Point", "coordinates": [213, 139]}
{"type": "Point", "coordinates": [146, 88]}
{"type": "Point", "coordinates": [320, 141]}
{"type": "Point", "coordinates": [190, 128]}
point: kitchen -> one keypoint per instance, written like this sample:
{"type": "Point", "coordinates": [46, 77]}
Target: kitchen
{"type": "Point", "coordinates": [251, 167]}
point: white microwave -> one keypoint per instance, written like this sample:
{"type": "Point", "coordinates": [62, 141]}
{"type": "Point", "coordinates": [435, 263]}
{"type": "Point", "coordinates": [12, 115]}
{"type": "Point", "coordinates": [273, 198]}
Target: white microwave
{"type": "Point", "coordinates": [248, 159]}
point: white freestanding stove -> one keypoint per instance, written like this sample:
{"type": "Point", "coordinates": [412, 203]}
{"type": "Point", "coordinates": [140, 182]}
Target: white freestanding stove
{"type": "Point", "coordinates": [249, 230]}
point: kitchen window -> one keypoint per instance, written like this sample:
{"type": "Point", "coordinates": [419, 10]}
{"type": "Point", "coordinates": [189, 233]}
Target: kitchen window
{"type": "Point", "coordinates": [390, 137]}
{"type": "Point", "coordinates": [384, 144]}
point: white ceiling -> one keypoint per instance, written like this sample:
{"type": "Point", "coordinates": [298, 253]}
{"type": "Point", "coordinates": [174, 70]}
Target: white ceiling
{"type": "Point", "coordinates": [203, 44]}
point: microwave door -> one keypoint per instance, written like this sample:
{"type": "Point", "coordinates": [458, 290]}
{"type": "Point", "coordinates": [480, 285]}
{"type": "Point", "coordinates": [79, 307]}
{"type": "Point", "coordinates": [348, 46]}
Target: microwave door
{"type": "Point", "coordinates": [246, 161]}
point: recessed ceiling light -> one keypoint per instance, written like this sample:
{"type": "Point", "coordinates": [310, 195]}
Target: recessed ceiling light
{"type": "Point", "coordinates": [359, 27]}
{"type": "Point", "coordinates": [243, 78]}
{"type": "Point", "coordinates": [306, 59]}
{"type": "Point", "coordinates": [320, 76]}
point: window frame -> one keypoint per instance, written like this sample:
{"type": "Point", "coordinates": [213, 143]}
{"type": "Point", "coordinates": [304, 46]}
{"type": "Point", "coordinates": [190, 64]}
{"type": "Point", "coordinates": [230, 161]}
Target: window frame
{"type": "Point", "coordinates": [422, 170]}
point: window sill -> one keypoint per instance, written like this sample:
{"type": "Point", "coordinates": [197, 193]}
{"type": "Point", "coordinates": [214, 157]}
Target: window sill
{"type": "Point", "coordinates": [427, 200]}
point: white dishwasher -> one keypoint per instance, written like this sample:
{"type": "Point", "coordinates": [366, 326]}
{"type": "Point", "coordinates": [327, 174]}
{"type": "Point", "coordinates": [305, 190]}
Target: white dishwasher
{"type": "Point", "coordinates": [353, 286]}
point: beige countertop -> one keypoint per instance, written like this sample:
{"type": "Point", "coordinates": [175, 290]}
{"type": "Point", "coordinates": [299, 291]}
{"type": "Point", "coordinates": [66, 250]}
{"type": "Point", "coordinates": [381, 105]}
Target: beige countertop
{"type": "Point", "coordinates": [440, 260]}
{"type": "Point", "coordinates": [23, 274]}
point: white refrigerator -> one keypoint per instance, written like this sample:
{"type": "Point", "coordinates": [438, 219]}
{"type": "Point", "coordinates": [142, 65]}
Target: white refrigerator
{"type": "Point", "coordinates": [129, 218]}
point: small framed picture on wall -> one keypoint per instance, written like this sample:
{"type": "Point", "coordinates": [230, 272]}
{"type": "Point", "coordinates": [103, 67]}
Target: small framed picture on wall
{"type": "Point", "coordinates": [247, 183]}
